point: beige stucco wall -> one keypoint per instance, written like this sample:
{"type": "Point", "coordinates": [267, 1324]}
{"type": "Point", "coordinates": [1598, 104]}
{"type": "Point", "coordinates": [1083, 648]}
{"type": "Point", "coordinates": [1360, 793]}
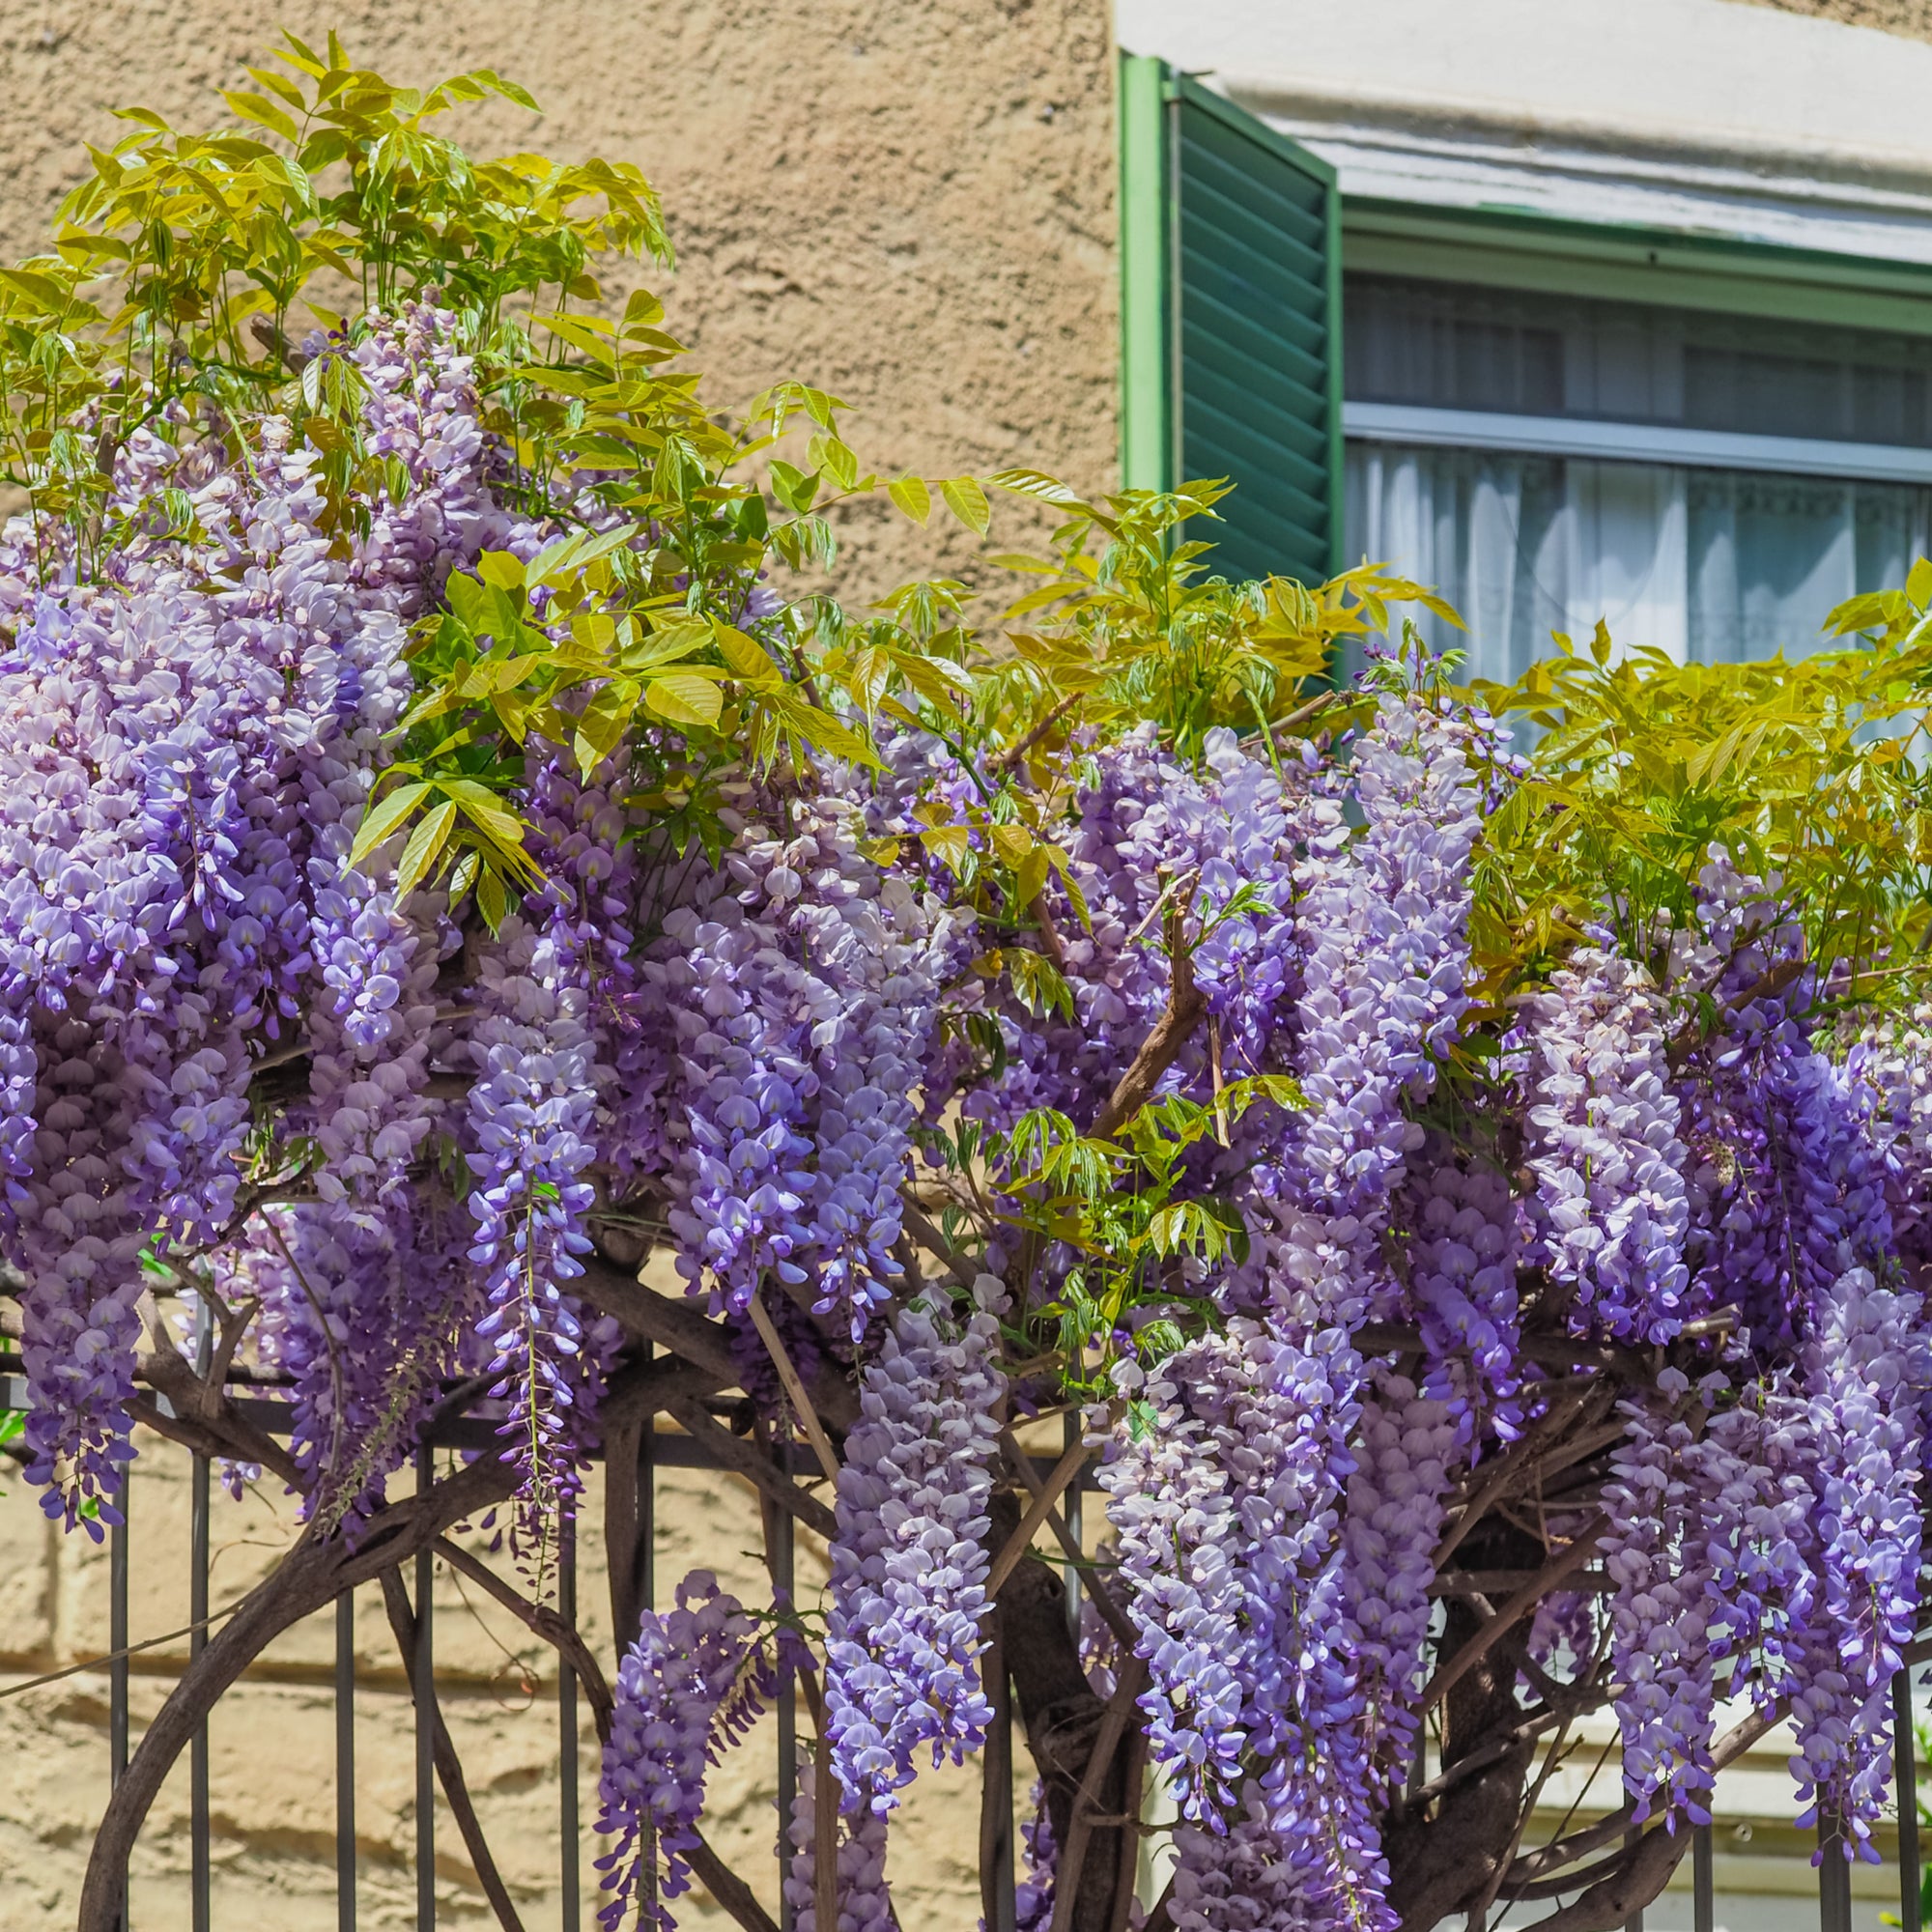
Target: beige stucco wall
{"type": "Point", "coordinates": [910, 204]}
{"type": "Point", "coordinates": [273, 1739]}
{"type": "Point", "coordinates": [1912, 17]}
{"type": "Point", "coordinates": [907, 202]}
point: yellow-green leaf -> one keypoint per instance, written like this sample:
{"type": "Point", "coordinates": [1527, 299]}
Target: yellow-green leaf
{"type": "Point", "coordinates": [685, 698]}
{"type": "Point", "coordinates": [750, 663]}
{"type": "Point", "coordinates": [483, 808]}
{"type": "Point", "coordinates": [967, 502]}
{"type": "Point", "coordinates": [259, 109]}
{"type": "Point", "coordinates": [912, 497]}
{"type": "Point", "coordinates": [948, 845]}
{"type": "Point", "coordinates": [382, 819]}
{"type": "Point", "coordinates": [603, 722]}
{"type": "Point", "coordinates": [501, 568]}
{"type": "Point", "coordinates": [493, 897]}
{"type": "Point", "coordinates": [426, 844]}
{"type": "Point", "coordinates": [1012, 843]}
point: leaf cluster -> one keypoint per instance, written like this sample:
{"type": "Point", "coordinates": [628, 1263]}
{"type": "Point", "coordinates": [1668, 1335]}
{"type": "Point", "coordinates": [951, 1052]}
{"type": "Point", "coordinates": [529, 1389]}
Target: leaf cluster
{"type": "Point", "coordinates": [1810, 774]}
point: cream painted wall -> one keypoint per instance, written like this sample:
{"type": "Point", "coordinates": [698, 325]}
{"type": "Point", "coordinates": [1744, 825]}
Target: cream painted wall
{"type": "Point", "coordinates": [909, 205]}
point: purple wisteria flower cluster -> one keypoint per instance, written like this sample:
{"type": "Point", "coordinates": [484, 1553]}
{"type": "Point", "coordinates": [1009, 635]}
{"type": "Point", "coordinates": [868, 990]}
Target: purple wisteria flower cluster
{"type": "Point", "coordinates": [909, 1560]}
{"type": "Point", "coordinates": [1610, 1201]}
{"type": "Point", "coordinates": [687, 1667]}
{"type": "Point", "coordinates": [804, 985]}
{"type": "Point", "coordinates": [1660, 1560]}
{"type": "Point", "coordinates": [864, 1902]}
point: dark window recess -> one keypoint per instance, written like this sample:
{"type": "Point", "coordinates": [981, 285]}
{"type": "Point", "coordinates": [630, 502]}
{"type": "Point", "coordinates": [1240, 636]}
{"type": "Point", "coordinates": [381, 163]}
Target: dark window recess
{"type": "Point", "coordinates": [1446, 346]}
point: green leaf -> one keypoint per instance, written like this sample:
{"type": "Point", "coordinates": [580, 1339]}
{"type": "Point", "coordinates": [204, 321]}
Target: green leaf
{"type": "Point", "coordinates": [1038, 483]}
{"type": "Point", "coordinates": [426, 844]}
{"type": "Point", "coordinates": [603, 722]}
{"type": "Point", "coordinates": [259, 109]}
{"type": "Point", "coordinates": [685, 698]}
{"type": "Point", "coordinates": [1012, 843]}
{"type": "Point", "coordinates": [1037, 983]}
{"type": "Point", "coordinates": [501, 568]}
{"type": "Point", "coordinates": [912, 497]}
{"type": "Point", "coordinates": [382, 819]}
{"type": "Point", "coordinates": [967, 502]}
{"type": "Point", "coordinates": [493, 897]}
{"type": "Point", "coordinates": [948, 845]}
{"type": "Point", "coordinates": [484, 808]}
{"type": "Point", "coordinates": [749, 661]}
{"type": "Point", "coordinates": [792, 486]}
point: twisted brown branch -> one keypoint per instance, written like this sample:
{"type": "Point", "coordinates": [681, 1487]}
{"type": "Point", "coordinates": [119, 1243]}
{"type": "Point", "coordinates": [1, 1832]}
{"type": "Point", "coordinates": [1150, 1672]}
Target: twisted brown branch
{"type": "Point", "coordinates": [555, 1628]}
{"type": "Point", "coordinates": [1185, 1005]}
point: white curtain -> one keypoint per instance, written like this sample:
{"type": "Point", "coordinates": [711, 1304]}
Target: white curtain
{"type": "Point", "coordinates": [1702, 564]}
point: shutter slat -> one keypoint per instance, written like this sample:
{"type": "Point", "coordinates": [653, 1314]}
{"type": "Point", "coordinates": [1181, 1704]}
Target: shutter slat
{"type": "Point", "coordinates": [1296, 345]}
{"type": "Point", "coordinates": [1269, 485]}
{"type": "Point", "coordinates": [1303, 448]}
{"type": "Point", "coordinates": [1282, 242]}
{"type": "Point", "coordinates": [1225, 158]}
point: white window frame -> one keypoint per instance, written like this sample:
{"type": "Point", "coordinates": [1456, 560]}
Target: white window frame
{"type": "Point", "coordinates": [1634, 442]}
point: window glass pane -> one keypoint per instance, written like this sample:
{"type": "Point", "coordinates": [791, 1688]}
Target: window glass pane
{"type": "Point", "coordinates": [1699, 563]}
{"type": "Point", "coordinates": [1446, 346]}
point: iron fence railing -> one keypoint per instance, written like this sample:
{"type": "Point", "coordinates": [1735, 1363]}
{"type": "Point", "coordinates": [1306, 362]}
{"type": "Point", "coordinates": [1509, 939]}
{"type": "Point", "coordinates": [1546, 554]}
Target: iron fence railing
{"type": "Point", "coordinates": [659, 1450]}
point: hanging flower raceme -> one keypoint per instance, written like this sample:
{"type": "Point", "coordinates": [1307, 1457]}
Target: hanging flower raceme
{"type": "Point", "coordinates": [686, 1667]}
{"type": "Point", "coordinates": [1657, 1555]}
{"type": "Point", "coordinates": [804, 986]}
{"type": "Point", "coordinates": [1408, 1443]}
{"type": "Point", "coordinates": [1610, 1200]}
{"type": "Point", "coordinates": [863, 1903]}
{"type": "Point", "coordinates": [909, 1559]}
{"type": "Point", "coordinates": [1463, 1284]}
{"type": "Point", "coordinates": [1867, 1371]}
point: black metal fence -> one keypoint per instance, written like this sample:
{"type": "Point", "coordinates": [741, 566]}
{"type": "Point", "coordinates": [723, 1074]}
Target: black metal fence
{"type": "Point", "coordinates": [660, 1450]}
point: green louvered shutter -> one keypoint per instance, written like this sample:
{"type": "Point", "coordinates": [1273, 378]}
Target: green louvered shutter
{"type": "Point", "coordinates": [1230, 296]}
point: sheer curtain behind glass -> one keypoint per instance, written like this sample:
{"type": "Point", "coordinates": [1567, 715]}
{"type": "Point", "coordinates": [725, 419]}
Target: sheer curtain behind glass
{"type": "Point", "coordinates": [1700, 563]}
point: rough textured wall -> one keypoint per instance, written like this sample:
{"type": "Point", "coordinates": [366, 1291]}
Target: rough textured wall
{"type": "Point", "coordinates": [909, 205]}
{"type": "Point", "coordinates": [907, 202]}
{"type": "Point", "coordinates": [1912, 17]}
{"type": "Point", "coordinates": [273, 1737]}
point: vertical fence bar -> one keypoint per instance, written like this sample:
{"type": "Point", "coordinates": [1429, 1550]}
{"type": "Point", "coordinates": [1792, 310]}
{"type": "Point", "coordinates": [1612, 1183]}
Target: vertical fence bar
{"type": "Point", "coordinates": [999, 1897]}
{"type": "Point", "coordinates": [345, 1762]}
{"type": "Point", "coordinates": [1703, 1883]}
{"type": "Point", "coordinates": [782, 1583]}
{"type": "Point", "coordinates": [566, 1729]}
{"type": "Point", "coordinates": [201, 1876]}
{"type": "Point", "coordinates": [1070, 1507]}
{"type": "Point", "coordinates": [647, 1599]}
{"type": "Point", "coordinates": [1835, 1879]}
{"type": "Point", "coordinates": [1634, 1923]}
{"type": "Point", "coordinates": [424, 1672]}
{"type": "Point", "coordinates": [117, 1644]}
{"type": "Point", "coordinates": [1905, 1782]}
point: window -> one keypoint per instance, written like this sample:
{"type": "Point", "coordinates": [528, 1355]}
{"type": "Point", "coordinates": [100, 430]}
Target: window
{"type": "Point", "coordinates": [1709, 484]}
{"type": "Point", "coordinates": [1472, 397]}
